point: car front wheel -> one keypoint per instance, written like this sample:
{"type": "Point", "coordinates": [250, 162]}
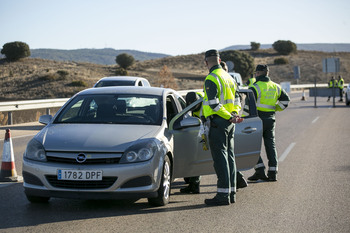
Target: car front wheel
{"type": "Point", "coordinates": [164, 188]}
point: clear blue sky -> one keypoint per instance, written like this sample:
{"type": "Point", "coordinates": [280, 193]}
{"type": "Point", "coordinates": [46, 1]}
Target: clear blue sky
{"type": "Point", "coordinates": [175, 27]}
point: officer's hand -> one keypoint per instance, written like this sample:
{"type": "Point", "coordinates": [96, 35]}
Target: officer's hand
{"type": "Point", "coordinates": [236, 119]}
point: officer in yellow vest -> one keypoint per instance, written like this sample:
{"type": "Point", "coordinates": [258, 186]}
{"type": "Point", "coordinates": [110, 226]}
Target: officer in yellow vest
{"type": "Point", "coordinates": [193, 182]}
{"type": "Point", "coordinates": [270, 97]}
{"type": "Point", "coordinates": [221, 106]}
{"type": "Point", "coordinates": [332, 84]}
{"type": "Point", "coordinates": [341, 87]}
{"type": "Point", "coordinates": [250, 81]}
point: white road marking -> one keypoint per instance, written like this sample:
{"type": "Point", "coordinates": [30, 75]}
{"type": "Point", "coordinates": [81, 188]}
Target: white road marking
{"type": "Point", "coordinates": [286, 152]}
{"type": "Point", "coordinates": [315, 120]}
{"type": "Point", "coordinates": [23, 136]}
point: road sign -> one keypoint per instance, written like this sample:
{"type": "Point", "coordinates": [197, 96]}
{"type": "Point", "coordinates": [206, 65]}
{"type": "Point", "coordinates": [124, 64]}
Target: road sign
{"type": "Point", "coordinates": [296, 70]}
{"type": "Point", "coordinates": [331, 65]}
{"type": "Point", "coordinates": [230, 65]}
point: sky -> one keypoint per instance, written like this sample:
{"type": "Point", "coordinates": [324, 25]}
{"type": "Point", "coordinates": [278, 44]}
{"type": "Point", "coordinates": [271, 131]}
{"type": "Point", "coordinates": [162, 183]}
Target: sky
{"type": "Point", "coordinates": [174, 27]}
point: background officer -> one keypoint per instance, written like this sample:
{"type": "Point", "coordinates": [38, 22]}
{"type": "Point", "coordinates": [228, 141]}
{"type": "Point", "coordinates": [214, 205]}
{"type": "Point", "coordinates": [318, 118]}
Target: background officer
{"type": "Point", "coordinates": [193, 182]}
{"type": "Point", "coordinates": [270, 97]}
{"type": "Point", "coordinates": [221, 106]}
{"type": "Point", "coordinates": [332, 84]}
{"type": "Point", "coordinates": [341, 86]}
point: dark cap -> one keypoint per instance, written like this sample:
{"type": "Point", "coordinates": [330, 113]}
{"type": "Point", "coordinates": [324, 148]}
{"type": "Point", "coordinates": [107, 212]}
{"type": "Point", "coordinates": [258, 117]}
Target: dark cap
{"type": "Point", "coordinates": [262, 68]}
{"type": "Point", "coordinates": [212, 53]}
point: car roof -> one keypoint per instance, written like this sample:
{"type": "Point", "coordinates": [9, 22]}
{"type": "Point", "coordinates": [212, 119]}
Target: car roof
{"type": "Point", "coordinates": [118, 78]}
{"type": "Point", "coordinates": [127, 90]}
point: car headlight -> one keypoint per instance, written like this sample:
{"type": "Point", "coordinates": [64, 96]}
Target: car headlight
{"type": "Point", "coordinates": [35, 151]}
{"type": "Point", "coordinates": [140, 152]}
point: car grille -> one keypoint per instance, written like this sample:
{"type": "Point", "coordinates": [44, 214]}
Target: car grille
{"type": "Point", "coordinates": [88, 161]}
{"type": "Point", "coordinates": [106, 182]}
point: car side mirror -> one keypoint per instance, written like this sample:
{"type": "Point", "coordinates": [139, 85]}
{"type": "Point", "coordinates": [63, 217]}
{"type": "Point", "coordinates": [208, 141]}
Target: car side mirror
{"type": "Point", "coordinates": [45, 119]}
{"type": "Point", "coordinates": [190, 122]}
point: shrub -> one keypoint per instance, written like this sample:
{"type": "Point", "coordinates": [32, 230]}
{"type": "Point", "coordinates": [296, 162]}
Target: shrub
{"type": "Point", "coordinates": [49, 77]}
{"type": "Point", "coordinates": [166, 78]}
{"type": "Point", "coordinates": [285, 47]}
{"type": "Point", "coordinates": [15, 50]}
{"type": "Point", "coordinates": [62, 73]}
{"type": "Point", "coordinates": [125, 60]}
{"type": "Point", "coordinates": [254, 46]}
{"type": "Point", "coordinates": [244, 63]}
{"type": "Point", "coordinates": [280, 61]}
{"type": "Point", "coordinates": [121, 72]}
{"type": "Point", "coordinates": [78, 83]}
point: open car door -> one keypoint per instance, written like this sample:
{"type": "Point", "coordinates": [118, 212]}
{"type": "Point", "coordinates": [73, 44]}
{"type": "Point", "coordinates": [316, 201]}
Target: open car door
{"type": "Point", "coordinates": [189, 157]}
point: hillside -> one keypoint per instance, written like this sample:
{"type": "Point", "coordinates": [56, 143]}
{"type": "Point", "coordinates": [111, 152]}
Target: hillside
{"type": "Point", "coordinates": [34, 78]}
{"type": "Point", "coordinates": [97, 56]}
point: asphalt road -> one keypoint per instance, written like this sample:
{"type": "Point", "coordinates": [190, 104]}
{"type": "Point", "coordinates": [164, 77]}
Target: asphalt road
{"type": "Point", "coordinates": [312, 193]}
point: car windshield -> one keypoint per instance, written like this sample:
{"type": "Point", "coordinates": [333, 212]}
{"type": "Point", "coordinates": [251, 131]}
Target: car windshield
{"type": "Point", "coordinates": [113, 109]}
{"type": "Point", "coordinates": [115, 83]}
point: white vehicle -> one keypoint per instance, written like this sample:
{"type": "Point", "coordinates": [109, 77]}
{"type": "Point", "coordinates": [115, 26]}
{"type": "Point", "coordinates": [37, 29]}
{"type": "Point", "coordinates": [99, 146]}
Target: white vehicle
{"type": "Point", "coordinates": [347, 95]}
{"type": "Point", "coordinates": [237, 77]}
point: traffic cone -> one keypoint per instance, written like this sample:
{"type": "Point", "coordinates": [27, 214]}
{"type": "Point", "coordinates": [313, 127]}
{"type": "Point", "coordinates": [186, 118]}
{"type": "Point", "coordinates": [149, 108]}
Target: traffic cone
{"type": "Point", "coordinates": [303, 96]}
{"type": "Point", "coordinates": [8, 169]}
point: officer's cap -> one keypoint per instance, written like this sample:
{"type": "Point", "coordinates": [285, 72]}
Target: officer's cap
{"type": "Point", "coordinates": [262, 68]}
{"type": "Point", "coordinates": [211, 53]}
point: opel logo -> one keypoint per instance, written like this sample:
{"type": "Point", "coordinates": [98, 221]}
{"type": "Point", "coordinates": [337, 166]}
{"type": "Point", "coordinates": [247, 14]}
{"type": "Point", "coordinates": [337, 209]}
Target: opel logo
{"type": "Point", "coordinates": [81, 158]}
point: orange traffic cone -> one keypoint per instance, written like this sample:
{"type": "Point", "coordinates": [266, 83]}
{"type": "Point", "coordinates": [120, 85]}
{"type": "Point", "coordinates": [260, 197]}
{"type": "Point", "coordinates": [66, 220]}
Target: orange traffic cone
{"type": "Point", "coordinates": [303, 96]}
{"type": "Point", "coordinates": [8, 170]}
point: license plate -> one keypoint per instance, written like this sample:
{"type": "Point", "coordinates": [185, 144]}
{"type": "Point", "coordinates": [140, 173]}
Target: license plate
{"type": "Point", "coordinates": [79, 174]}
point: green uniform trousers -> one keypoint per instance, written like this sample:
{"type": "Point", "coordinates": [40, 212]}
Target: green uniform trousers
{"type": "Point", "coordinates": [221, 144]}
{"type": "Point", "coordinates": [269, 124]}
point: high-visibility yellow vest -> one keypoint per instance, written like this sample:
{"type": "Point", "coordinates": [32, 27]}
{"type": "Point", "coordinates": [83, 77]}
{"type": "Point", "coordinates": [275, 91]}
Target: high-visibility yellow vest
{"type": "Point", "coordinates": [341, 83]}
{"type": "Point", "coordinates": [331, 83]}
{"type": "Point", "coordinates": [251, 82]}
{"type": "Point", "coordinates": [267, 96]}
{"type": "Point", "coordinates": [225, 99]}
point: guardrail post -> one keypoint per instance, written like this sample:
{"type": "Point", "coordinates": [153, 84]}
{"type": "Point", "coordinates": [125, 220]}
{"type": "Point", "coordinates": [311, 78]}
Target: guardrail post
{"type": "Point", "coordinates": [48, 111]}
{"type": "Point", "coordinates": [9, 118]}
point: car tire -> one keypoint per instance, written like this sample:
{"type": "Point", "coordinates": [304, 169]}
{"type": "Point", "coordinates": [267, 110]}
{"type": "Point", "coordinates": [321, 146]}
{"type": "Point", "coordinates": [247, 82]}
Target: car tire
{"type": "Point", "coordinates": [37, 199]}
{"type": "Point", "coordinates": [164, 187]}
{"type": "Point", "coordinates": [347, 101]}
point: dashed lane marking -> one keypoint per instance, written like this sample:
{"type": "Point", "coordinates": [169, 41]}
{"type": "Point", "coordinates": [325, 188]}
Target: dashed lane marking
{"type": "Point", "coordinates": [286, 152]}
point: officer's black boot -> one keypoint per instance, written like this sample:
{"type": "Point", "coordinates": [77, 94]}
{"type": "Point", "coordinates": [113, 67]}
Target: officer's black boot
{"type": "Point", "coordinates": [258, 175]}
{"type": "Point", "coordinates": [241, 182]}
{"type": "Point", "coordinates": [272, 175]}
{"type": "Point", "coordinates": [217, 200]}
{"type": "Point", "coordinates": [191, 188]}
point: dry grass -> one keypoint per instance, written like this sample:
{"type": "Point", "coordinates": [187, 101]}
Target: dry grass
{"type": "Point", "coordinates": [33, 78]}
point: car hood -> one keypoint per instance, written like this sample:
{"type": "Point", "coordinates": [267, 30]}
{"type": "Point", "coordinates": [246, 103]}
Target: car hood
{"type": "Point", "coordinates": [94, 137]}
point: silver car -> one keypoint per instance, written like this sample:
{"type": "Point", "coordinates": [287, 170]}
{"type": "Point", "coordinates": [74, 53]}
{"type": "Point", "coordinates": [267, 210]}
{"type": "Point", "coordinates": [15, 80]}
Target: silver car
{"type": "Point", "coordinates": [126, 143]}
{"type": "Point", "coordinates": [122, 81]}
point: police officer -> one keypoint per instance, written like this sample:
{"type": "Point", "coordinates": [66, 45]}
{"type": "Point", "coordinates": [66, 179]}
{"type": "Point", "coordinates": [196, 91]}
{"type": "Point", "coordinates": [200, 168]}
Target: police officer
{"type": "Point", "coordinates": [341, 86]}
{"type": "Point", "coordinates": [250, 81]}
{"type": "Point", "coordinates": [270, 97]}
{"type": "Point", "coordinates": [193, 182]}
{"type": "Point", "coordinates": [221, 106]}
{"type": "Point", "coordinates": [332, 84]}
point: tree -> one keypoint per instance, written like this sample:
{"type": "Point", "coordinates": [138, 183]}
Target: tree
{"type": "Point", "coordinates": [15, 50]}
{"type": "Point", "coordinates": [285, 47]}
{"type": "Point", "coordinates": [254, 46]}
{"type": "Point", "coordinates": [125, 60]}
{"type": "Point", "coordinates": [166, 78]}
{"type": "Point", "coordinates": [244, 63]}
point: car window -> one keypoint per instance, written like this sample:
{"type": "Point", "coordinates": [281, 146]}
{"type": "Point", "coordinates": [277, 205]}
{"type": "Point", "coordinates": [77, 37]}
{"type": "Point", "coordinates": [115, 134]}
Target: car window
{"type": "Point", "coordinates": [110, 83]}
{"type": "Point", "coordinates": [139, 84]}
{"type": "Point", "coordinates": [171, 109]}
{"type": "Point", "coordinates": [113, 109]}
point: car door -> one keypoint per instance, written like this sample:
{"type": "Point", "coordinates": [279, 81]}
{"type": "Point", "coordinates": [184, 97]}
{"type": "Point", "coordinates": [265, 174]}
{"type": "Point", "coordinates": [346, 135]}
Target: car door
{"type": "Point", "coordinates": [189, 157]}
